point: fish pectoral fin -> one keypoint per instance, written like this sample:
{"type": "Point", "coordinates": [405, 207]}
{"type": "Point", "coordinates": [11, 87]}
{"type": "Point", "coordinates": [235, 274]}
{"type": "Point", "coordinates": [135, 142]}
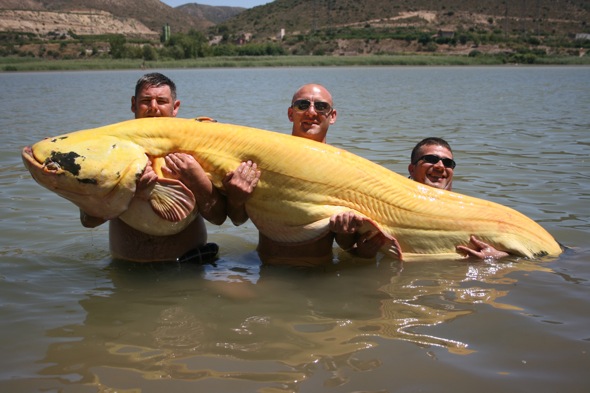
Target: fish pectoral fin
{"type": "Point", "coordinates": [172, 200]}
{"type": "Point", "coordinates": [390, 247]}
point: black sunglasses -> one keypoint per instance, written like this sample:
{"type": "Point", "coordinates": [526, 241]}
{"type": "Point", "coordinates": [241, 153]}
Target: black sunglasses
{"type": "Point", "coordinates": [432, 159]}
{"type": "Point", "coordinates": [320, 106]}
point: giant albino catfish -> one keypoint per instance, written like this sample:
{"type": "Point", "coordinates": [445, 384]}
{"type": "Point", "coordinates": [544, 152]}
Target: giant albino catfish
{"type": "Point", "coordinates": [302, 184]}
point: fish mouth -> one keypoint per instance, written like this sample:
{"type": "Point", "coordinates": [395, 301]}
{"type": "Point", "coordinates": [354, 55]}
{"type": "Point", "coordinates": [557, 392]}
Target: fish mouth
{"type": "Point", "coordinates": [50, 174]}
{"type": "Point", "coordinates": [33, 165]}
{"type": "Point", "coordinates": [29, 159]}
{"type": "Point", "coordinates": [55, 164]}
{"type": "Point", "coordinates": [46, 174]}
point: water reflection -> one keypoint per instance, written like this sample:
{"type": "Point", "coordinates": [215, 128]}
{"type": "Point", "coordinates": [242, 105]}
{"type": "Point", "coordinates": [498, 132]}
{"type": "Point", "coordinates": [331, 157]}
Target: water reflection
{"type": "Point", "coordinates": [170, 322]}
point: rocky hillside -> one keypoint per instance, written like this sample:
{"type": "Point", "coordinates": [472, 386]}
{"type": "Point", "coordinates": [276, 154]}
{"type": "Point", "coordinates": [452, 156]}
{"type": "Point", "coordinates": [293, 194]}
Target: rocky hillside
{"type": "Point", "coordinates": [132, 18]}
{"type": "Point", "coordinates": [60, 25]}
{"type": "Point", "coordinates": [318, 27]}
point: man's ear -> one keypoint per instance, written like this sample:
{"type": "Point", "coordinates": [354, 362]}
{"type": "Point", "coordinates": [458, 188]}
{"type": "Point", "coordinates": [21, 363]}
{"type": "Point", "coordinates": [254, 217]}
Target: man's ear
{"type": "Point", "coordinates": [176, 107]}
{"type": "Point", "coordinates": [133, 104]}
{"type": "Point", "coordinates": [333, 116]}
{"type": "Point", "coordinates": [411, 170]}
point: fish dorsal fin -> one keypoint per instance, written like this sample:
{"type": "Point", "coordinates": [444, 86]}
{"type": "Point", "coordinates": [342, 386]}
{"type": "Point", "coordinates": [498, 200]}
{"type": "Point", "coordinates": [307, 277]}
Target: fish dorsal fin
{"type": "Point", "coordinates": [172, 200]}
{"type": "Point", "coordinates": [205, 119]}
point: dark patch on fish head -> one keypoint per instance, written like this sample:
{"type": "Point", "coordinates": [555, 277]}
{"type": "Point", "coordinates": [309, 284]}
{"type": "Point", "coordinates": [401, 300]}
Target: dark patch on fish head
{"type": "Point", "coordinates": [88, 181]}
{"type": "Point", "coordinates": [65, 161]}
{"type": "Point", "coordinates": [59, 139]}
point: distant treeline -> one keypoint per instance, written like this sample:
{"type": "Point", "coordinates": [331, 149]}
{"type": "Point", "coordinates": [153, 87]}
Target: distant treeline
{"type": "Point", "coordinates": [517, 48]}
{"type": "Point", "coordinates": [189, 46]}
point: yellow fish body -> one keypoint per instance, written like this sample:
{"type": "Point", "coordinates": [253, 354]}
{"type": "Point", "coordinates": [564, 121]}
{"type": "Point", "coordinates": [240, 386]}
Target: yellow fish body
{"type": "Point", "coordinates": [302, 184]}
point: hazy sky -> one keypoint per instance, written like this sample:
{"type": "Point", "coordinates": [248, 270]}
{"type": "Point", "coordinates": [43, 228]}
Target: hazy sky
{"type": "Point", "coordinates": [232, 3]}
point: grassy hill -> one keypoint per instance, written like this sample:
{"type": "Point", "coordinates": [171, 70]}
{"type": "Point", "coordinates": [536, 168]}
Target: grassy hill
{"type": "Point", "coordinates": [212, 14]}
{"type": "Point", "coordinates": [458, 27]}
{"type": "Point", "coordinates": [304, 16]}
{"type": "Point", "coordinates": [540, 17]}
{"type": "Point", "coordinates": [519, 30]}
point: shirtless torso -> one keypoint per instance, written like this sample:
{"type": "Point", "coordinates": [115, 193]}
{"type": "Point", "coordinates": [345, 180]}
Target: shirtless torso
{"type": "Point", "coordinates": [318, 252]}
{"type": "Point", "coordinates": [132, 245]}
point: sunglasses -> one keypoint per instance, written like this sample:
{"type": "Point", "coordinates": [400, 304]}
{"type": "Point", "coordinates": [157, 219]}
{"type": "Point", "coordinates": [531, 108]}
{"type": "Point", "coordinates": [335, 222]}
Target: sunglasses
{"type": "Point", "coordinates": [320, 106]}
{"type": "Point", "coordinates": [432, 159]}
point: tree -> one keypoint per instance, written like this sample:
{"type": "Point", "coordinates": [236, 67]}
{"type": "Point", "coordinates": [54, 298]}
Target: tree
{"type": "Point", "coordinates": [149, 53]}
{"type": "Point", "coordinates": [191, 44]}
{"type": "Point", "coordinates": [117, 44]}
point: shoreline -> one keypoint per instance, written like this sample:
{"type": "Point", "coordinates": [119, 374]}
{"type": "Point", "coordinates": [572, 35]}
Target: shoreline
{"type": "Point", "coordinates": [9, 64]}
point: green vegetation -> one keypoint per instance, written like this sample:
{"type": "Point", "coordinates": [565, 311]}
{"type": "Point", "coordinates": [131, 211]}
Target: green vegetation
{"type": "Point", "coordinates": [330, 34]}
{"type": "Point", "coordinates": [33, 64]}
{"type": "Point", "coordinates": [315, 49]}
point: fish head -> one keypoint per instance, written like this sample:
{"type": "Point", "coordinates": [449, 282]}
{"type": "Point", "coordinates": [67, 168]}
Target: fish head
{"type": "Point", "coordinates": [97, 173]}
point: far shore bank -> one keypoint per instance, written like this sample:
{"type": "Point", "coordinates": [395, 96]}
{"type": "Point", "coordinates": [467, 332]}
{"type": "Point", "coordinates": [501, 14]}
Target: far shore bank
{"type": "Point", "coordinates": [8, 64]}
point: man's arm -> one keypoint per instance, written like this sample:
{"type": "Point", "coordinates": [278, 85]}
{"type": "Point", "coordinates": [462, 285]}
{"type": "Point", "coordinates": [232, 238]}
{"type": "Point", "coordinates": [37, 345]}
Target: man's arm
{"type": "Point", "coordinates": [482, 250]}
{"type": "Point", "coordinates": [239, 186]}
{"type": "Point", "coordinates": [345, 226]}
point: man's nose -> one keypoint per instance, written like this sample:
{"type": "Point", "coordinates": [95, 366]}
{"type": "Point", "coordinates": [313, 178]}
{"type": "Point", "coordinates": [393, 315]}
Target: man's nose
{"type": "Point", "coordinates": [440, 165]}
{"type": "Point", "coordinates": [311, 110]}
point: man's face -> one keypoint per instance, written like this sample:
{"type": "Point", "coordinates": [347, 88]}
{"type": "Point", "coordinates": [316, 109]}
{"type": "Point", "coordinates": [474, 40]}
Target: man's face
{"type": "Point", "coordinates": [435, 175]}
{"type": "Point", "coordinates": [154, 101]}
{"type": "Point", "coordinates": [312, 121]}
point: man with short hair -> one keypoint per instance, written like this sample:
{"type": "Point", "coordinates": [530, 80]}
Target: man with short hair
{"type": "Point", "coordinates": [155, 96]}
{"type": "Point", "coordinates": [431, 163]}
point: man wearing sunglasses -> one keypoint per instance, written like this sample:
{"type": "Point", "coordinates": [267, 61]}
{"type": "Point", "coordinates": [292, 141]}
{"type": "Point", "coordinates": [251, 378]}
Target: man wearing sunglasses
{"type": "Point", "coordinates": [311, 112]}
{"type": "Point", "coordinates": [432, 163]}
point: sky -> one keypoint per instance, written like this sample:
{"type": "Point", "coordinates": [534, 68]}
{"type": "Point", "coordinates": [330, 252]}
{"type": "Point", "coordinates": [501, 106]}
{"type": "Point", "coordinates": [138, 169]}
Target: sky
{"type": "Point", "coordinates": [231, 3]}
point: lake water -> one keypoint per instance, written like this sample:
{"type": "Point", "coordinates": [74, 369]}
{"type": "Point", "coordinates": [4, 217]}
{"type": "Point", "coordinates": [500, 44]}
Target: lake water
{"type": "Point", "coordinates": [73, 320]}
